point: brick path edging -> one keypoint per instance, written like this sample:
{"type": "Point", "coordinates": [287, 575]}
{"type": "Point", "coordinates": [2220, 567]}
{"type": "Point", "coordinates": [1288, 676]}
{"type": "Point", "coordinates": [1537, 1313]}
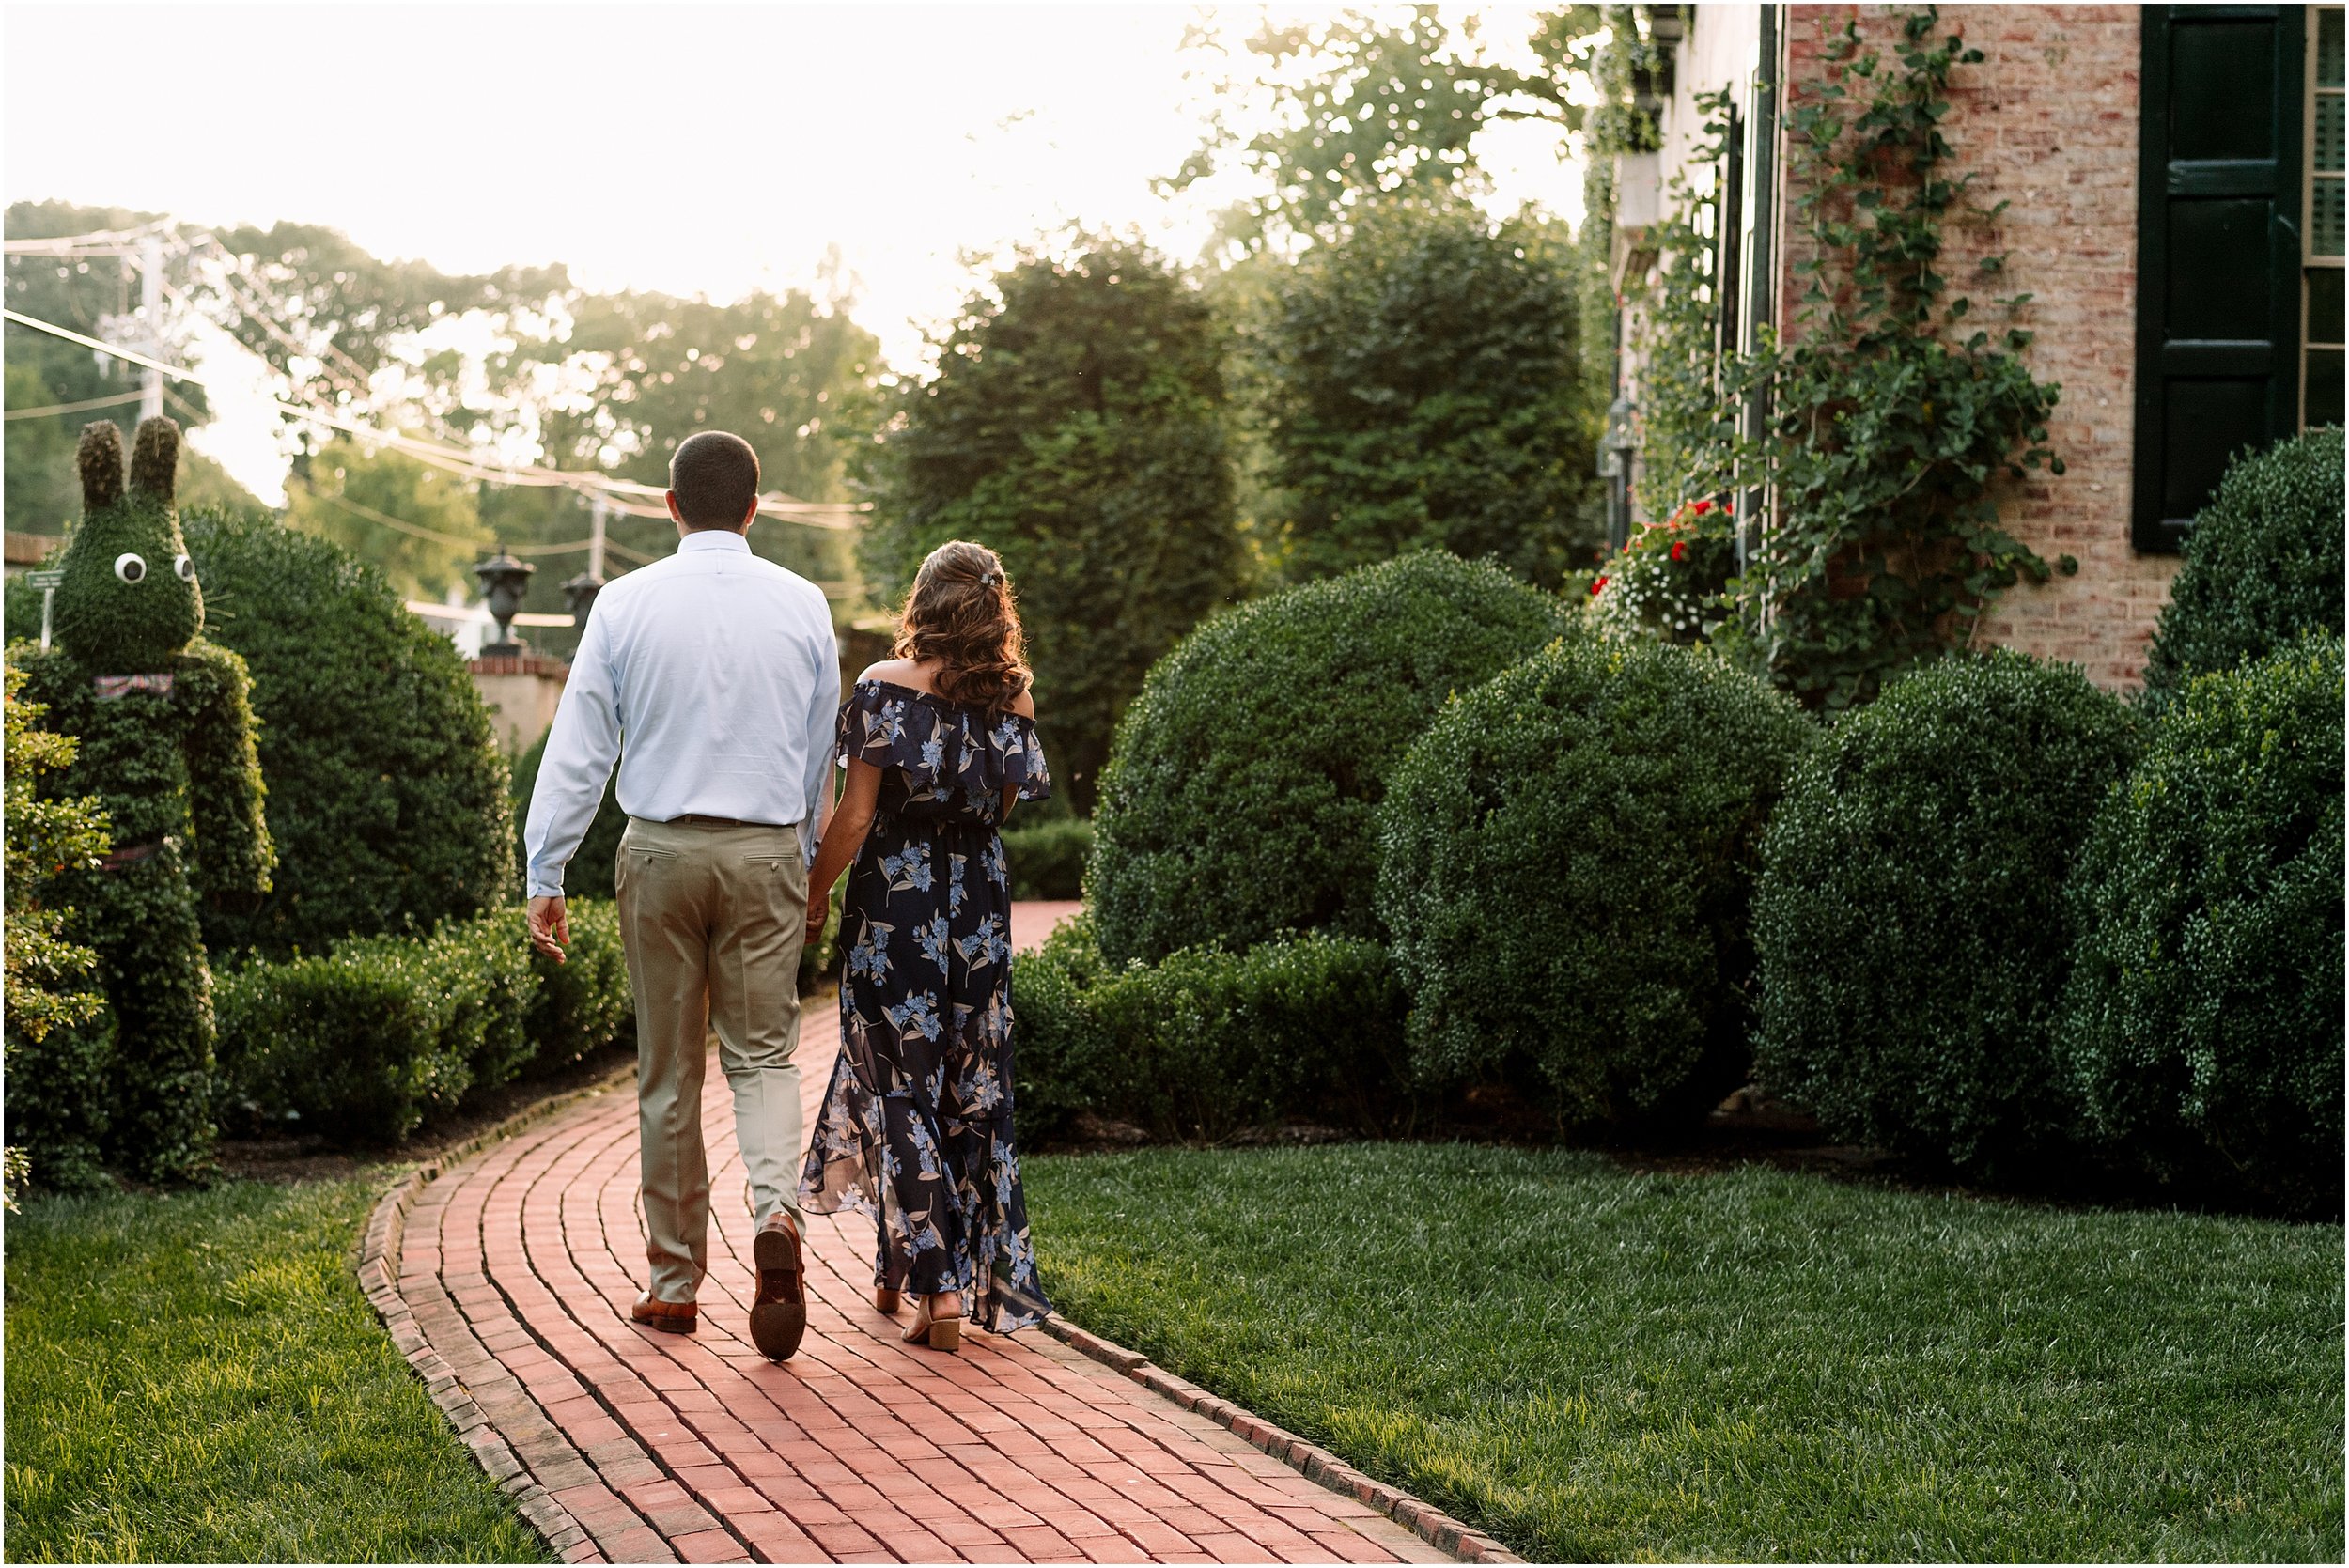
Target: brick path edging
{"type": "Point", "coordinates": [378, 1278]}
{"type": "Point", "coordinates": [379, 1264]}
{"type": "Point", "coordinates": [1315, 1462]}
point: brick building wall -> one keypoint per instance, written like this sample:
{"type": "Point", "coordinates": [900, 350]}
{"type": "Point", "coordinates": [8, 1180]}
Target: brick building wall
{"type": "Point", "coordinates": [2048, 122]}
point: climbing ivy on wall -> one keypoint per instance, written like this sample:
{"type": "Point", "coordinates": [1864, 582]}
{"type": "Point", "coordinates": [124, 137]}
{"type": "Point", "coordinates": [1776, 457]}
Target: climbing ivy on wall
{"type": "Point", "coordinates": [1892, 415]}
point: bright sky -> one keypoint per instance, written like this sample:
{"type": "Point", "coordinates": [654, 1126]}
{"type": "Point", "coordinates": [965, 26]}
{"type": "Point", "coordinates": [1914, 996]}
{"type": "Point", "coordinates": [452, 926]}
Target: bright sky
{"type": "Point", "coordinates": [684, 148]}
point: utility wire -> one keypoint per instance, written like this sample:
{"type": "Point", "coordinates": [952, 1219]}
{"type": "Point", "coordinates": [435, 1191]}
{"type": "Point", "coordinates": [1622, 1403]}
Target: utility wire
{"type": "Point", "coordinates": [620, 494]}
{"type": "Point", "coordinates": [105, 241]}
{"type": "Point", "coordinates": [838, 515]}
{"type": "Point", "coordinates": [421, 532]}
{"type": "Point", "coordinates": [87, 403]}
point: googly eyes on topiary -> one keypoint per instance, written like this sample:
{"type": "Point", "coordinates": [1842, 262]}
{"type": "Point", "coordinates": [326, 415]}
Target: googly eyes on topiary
{"type": "Point", "coordinates": [183, 567]}
{"type": "Point", "coordinates": [131, 567]}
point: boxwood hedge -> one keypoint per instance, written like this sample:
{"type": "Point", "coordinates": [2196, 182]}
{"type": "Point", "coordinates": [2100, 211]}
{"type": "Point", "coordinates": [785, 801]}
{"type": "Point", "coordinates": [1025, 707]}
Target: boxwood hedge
{"type": "Point", "coordinates": [2262, 565]}
{"type": "Point", "coordinates": [1566, 858]}
{"type": "Point", "coordinates": [1207, 1042]}
{"type": "Point", "coordinates": [2202, 1024]}
{"type": "Point", "coordinates": [1910, 919]}
{"type": "Point", "coordinates": [365, 1043]}
{"type": "Point", "coordinates": [1238, 798]}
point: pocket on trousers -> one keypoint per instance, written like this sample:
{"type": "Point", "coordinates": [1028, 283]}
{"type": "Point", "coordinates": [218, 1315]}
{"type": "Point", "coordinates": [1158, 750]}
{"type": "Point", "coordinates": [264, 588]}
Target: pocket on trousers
{"type": "Point", "coordinates": [637, 860]}
{"type": "Point", "coordinates": [784, 874]}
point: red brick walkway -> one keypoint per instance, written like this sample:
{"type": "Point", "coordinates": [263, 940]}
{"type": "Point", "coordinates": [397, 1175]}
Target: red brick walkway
{"type": "Point", "coordinates": [514, 1273]}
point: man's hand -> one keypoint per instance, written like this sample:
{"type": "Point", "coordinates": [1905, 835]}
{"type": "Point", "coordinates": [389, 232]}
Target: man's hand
{"type": "Point", "coordinates": [819, 910]}
{"type": "Point", "coordinates": [550, 926]}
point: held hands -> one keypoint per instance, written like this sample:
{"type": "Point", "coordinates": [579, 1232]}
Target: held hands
{"type": "Point", "coordinates": [550, 926]}
{"type": "Point", "coordinates": [819, 910]}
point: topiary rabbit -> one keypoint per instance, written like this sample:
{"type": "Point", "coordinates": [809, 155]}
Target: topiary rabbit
{"type": "Point", "coordinates": [166, 737]}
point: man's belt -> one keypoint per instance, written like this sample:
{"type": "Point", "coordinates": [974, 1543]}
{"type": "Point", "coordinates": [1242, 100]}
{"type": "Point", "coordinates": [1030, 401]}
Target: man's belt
{"type": "Point", "coordinates": [695, 819]}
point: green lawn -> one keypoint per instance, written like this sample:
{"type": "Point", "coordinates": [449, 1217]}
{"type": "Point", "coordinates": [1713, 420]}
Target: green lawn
{"type": "Point", "coordinates": [197, 1379]}
{"type": "Point", "coordinates": [1595, 1364]}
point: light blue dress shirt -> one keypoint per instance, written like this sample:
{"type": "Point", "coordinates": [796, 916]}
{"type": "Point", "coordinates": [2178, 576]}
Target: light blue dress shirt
{"type": "Point", "coordinates": [714, 678]}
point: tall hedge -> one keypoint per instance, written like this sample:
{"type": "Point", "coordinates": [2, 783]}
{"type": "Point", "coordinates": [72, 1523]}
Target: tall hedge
{"type": "Point", "coordinates": [2202, 1025]}
{"type": "Point", "coordinates": [1566, 862]}
{"type": "Point", "coordinates": [1076, 427]}
{"type": "Point", "coordinates": [387, 795]}
{"type": "Point", "coordinates": [1423, 388]}
{"type": "Point", "coordinates": [1910, 921]}
{"type": "Point", "coordinates": [1239, 802]}
{"type": "Point", "coordinates": [2262, 565]}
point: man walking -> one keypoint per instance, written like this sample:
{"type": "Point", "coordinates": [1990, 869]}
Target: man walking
{"type": "Point", "coordinates": [713, 677]}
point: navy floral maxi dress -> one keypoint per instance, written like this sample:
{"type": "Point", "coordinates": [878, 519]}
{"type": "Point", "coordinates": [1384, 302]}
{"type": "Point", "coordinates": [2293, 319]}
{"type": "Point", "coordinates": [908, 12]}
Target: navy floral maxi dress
{"type": "Point", "coordinates": [916, 1127]}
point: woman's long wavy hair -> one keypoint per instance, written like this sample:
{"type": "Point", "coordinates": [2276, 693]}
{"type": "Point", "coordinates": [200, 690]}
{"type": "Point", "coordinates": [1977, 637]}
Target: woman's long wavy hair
{"type": "Point", "coordinates": [961, 612]}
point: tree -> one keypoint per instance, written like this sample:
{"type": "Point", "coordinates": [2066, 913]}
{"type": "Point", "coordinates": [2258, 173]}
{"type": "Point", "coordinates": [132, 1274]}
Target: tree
{"type": "Point", "coordinates": [419, 523]}
{"type": "Point", "coordinates": [1423, 390]}
{"type": "Point", "coordinates": [1367, 108]}
{"type": "Point", "coordinates": [522, 361]}
{"type": "Point", "coordinates": [81, 293]}
{"type": "Point", "coordinates": [1075, 428]}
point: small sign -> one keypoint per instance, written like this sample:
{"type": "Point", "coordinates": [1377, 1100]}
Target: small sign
{"type": "Point", "coordinates": [44, 579]}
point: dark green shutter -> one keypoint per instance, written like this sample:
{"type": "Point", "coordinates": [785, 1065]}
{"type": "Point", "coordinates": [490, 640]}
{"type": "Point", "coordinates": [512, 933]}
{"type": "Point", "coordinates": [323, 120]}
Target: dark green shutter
{"type": "Point", "coordinates": [2218, 251]}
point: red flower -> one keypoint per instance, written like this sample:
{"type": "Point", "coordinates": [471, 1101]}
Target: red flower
{"type": "Point", "coordinates": [1727, 511]}
{"type": "Point", "coordinates": [1680, 548]}
{"type": "Point", "coordinates": [1598, 586]}
{"type": "Point", "coordinates": [1702, 507]}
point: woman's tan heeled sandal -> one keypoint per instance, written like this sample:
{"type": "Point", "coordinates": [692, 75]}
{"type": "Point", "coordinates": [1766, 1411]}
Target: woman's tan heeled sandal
{"type": "Point", "coordinates": [939, 1333]}
{"type": "Point", "coordinates": [885, 1300]}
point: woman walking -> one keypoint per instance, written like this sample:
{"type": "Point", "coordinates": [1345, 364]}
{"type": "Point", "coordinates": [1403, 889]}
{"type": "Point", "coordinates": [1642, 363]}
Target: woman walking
{"type": "Point", "coordinates": [916, 1127]}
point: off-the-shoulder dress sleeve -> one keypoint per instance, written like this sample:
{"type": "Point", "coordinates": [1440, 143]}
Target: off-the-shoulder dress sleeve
{"type": "Point", "coordinates": [943, 749]}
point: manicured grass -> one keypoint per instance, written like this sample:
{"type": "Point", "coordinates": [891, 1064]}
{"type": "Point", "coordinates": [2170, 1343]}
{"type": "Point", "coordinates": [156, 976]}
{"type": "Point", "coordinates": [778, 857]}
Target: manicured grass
{"type": "Point", "coordinates": [1595, 1364]}
{"type": "Point", "coordinates": [197, 1379]}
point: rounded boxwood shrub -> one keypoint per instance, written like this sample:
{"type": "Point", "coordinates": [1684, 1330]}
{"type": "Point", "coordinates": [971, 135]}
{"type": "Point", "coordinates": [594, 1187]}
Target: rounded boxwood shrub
{"type": "Point", "coordinates": [1238, 798]}
{"type": "Point", "coordinates": [1566, 858]}
{"type": "Point", "coordinates": [2262, 565]}
{"type": "Point", "coordinates": [386, 791]}
{"type": "Point", "coordinates": [1910, 919]}
{"type": "Point", "coordinates": [2202, 1024]}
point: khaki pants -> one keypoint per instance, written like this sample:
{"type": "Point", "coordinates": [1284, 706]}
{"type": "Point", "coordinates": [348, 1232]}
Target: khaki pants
{"type": "Point", "coordinates": [712, 917]}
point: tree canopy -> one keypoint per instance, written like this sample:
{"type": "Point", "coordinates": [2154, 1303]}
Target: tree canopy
{"type": "Point", "coordinates": [1075, 425]}
{"type": "Point", "coordinates": [1368, 107]}
{"type": "Point", "coordinates": [1423, 389]}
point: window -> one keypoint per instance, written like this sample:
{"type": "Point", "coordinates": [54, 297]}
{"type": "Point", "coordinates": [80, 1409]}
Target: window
{"type": "Point", "coordinates": [2321, 365]}
{"type": "Point", "coordinates": [2222, 186]}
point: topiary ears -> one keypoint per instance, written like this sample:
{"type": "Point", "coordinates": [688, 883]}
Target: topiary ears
{"type": "Point", "coordinates": [99, 458]}
{"type": "Point", "coordinates": [155, 459]}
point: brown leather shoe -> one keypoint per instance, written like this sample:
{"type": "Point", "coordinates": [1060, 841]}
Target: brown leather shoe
{"type": "Point", "coordinates": [670, 1317]}
{"type": "Point", "coordinates": [779, 1313]}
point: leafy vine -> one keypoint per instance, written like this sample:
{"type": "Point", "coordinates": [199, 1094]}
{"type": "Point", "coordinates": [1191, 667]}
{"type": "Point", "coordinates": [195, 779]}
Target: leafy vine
{"type": "Point", "coordinates": [1886, 430]}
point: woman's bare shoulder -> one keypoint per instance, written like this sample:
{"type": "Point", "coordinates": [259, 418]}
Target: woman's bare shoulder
{"type": "Point", "coordinates": [898, 672]}
{"type": "Point", "coordinates": [1024, 704]}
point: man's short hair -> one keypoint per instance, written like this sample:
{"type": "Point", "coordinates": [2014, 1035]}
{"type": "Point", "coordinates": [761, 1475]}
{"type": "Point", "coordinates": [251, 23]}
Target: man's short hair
{"type": "Point", "coordinates": [715, 475]}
